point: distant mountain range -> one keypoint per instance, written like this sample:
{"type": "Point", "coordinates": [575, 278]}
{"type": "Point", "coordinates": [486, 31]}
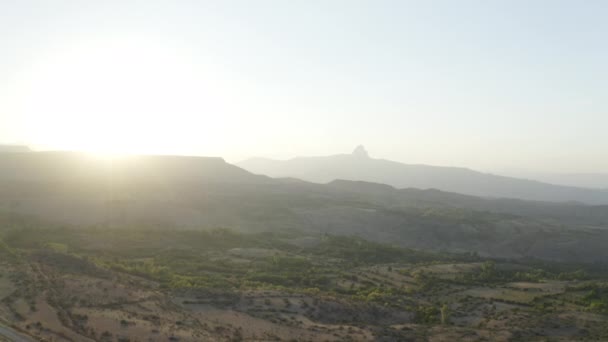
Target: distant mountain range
{"type": "Point", "coordinates": [67, 188]}
{"type": "Point", "coordinates": [358, 166]}
{"type": "Point", "coordinates": [582, 180]}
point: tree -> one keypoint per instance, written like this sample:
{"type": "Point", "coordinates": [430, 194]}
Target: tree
{"type": "Point", "coordinates": [488, 270]}
{"type": "Point", "coordinates": [445, 314]}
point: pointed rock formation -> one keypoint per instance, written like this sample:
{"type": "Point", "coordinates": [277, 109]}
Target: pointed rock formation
{"type": "Point", "coordinates": [360, 152]}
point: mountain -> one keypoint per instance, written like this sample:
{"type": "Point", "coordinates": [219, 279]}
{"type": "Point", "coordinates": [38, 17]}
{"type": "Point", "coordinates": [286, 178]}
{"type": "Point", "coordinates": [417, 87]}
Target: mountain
{"type": "Point", "coordinates": [358, 166]}
{"type": "Point", "coordinates": [14, 149]}
{"type": "Point", "coordinates": [582, 180]}
{"type": "Point", "coordinates": [174, 192]}
{"type": "Point", "coordinates": [62, 166]}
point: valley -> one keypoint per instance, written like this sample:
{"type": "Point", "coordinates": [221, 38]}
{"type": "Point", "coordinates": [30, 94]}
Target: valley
{"type": "Point", "coordinates": [195, 249]}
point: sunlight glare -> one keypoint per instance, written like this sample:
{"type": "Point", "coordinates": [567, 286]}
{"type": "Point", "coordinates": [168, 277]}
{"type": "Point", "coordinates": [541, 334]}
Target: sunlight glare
{"type": "Point", "coordinates": [114, 97]}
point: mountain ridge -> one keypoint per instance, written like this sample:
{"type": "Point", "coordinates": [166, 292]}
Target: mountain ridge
{"type": "Point", "coordinates": [324, 169]}
{"type": "Point", "coordinates": [176, 192]}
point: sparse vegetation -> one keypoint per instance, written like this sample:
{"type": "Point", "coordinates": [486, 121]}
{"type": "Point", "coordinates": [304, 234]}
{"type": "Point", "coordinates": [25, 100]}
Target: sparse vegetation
{"type": "Point", "coordinates": [341, 287]}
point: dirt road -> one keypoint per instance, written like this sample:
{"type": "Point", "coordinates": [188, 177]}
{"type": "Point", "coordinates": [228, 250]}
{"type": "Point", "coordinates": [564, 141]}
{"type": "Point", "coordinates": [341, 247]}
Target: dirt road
{"type": "Point", "coordinates": [13, 335]}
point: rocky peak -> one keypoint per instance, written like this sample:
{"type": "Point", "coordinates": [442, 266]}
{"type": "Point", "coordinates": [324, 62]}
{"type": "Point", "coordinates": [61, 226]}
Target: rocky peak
{"type": "Point", "coordinates": [360, 152]}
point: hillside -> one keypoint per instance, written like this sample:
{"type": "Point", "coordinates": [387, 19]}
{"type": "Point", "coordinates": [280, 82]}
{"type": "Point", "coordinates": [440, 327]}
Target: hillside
{"type": "Point", "coordinates": [220, 285]}
{"type": "Point", "coordinates": [195, 192]}
{"type": "Point", "coordinates": [167, 248]}
{"type": "Point", "coordinates": [77, 166]}
{"type": "Point", "coordinates": [14, 149]}
{"type": "Point", "coordinates": [360, 167]}
{"type": "Point", "coordinates": [583, 180]}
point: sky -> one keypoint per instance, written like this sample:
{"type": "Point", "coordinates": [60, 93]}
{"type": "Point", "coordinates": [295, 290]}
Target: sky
{"type": "Point", "coordinates": [490, 85]}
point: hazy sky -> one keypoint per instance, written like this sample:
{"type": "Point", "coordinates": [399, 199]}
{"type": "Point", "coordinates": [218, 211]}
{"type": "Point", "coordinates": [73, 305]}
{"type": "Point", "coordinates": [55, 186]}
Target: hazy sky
{"type": "Point", "coordinates": [485, 84]}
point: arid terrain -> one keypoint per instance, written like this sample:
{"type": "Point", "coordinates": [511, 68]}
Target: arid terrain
{"type": "Point", "coordinates": [166, 248]}
{"type": "Point", "coordinates": [198, 171]}
{"type": "Point", "coordinates": [61, 284]}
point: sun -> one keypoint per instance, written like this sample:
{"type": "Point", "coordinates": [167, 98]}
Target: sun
{"type": "Point", "coordinates": [118, 96]}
